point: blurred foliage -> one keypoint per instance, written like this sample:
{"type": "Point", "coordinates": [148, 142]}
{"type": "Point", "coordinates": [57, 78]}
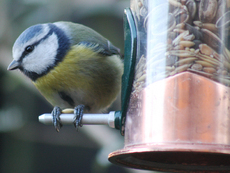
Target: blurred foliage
{"type": "Point", "coordinates": [25, 144]}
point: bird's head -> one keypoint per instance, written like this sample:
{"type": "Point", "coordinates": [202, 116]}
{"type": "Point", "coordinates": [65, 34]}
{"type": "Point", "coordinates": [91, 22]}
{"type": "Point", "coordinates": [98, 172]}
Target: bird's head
{"type": "Point", "coordinates": [38, 49]}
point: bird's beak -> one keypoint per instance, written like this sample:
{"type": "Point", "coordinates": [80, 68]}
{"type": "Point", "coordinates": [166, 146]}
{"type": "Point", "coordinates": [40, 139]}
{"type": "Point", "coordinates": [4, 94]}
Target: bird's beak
{"type": "Point", "coordinates": [13, 65]}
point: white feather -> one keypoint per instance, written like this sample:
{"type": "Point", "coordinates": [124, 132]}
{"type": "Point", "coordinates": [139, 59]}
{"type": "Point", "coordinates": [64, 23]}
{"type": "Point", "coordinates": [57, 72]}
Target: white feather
{"type": "Point", "coordinates": [63, 27]}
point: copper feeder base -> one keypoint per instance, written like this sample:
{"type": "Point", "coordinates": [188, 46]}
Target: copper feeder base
{"type": "Point", "coordinates": [159, 157]}
{"type": "Point", "coordinates": [190, 133]}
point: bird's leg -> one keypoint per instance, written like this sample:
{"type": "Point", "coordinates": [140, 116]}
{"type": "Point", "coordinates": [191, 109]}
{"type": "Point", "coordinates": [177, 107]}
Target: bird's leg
{"type": "Point", "coordinates": [78, 112]}
{"type": "Point", "coordinates": [56, 118]}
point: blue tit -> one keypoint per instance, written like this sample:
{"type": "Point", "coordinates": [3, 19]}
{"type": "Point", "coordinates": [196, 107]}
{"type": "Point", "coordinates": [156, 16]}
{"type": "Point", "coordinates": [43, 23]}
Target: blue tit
{"type": "Point", "coordinates": [71, 65]}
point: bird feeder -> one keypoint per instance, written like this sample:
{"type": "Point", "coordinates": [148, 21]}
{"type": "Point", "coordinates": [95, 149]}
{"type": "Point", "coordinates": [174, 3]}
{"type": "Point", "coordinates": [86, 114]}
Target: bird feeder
{"type": "Point", "coordinates": [175, 112]}
{"type": "Point", "coordinates": [176, 95]}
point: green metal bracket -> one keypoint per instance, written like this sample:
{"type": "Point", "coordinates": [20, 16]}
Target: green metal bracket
{"type": "Point", "coordinates": [130, 36]}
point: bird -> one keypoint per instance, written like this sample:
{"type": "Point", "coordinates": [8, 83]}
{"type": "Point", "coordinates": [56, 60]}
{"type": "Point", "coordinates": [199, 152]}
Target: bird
{"type": "Point", "coordinates": [72, 66]}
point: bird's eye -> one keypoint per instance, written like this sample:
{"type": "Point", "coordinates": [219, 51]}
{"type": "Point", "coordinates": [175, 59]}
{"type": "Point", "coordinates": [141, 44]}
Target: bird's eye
{"type": "Point", "coordinates": [29, 49]}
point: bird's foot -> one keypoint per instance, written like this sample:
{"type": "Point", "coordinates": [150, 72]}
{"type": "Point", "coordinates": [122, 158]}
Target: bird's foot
{"type": "Point", "coordinates": [56, 118]}
{"type": "Point", "coordinates": [78, 112]}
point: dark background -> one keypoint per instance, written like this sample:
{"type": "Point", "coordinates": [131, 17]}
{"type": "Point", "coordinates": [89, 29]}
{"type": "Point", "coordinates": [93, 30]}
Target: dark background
{"type": "Point", "coordinates": [25, 144]}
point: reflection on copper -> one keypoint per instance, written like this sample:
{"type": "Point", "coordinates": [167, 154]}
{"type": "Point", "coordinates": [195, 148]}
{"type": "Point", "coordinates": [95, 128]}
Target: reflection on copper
{"type": "Point", "coordinates": [188, 108]}
{"type": "Point", "coordinates": [181, 116]}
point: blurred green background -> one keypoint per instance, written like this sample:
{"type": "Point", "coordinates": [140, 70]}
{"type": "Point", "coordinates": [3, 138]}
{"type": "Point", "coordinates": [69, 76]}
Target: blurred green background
{"type": "Point", "coordinates": [26, 145]}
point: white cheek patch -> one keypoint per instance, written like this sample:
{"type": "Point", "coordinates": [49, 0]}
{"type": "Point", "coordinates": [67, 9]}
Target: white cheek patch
{"type": "Point", "coordinates": [43, 55]}
{"type": "Point", "coordinates": [18, 49]}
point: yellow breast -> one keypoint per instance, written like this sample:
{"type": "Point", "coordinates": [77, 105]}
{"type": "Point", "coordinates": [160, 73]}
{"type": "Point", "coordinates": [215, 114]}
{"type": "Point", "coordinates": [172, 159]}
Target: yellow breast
{"type": "Point", "coordinates": [85, 75]}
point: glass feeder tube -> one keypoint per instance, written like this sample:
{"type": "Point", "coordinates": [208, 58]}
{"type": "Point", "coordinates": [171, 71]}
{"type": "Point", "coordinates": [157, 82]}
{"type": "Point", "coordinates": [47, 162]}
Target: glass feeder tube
{"type": "Point", "coordinates": [178, 115]}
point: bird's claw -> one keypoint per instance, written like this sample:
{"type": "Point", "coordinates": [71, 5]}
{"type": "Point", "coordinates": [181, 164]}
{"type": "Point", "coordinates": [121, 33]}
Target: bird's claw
{"type": "Point", "coordinates": [56, 118]}
{"type": "Point", "coordinates": [78, 112]}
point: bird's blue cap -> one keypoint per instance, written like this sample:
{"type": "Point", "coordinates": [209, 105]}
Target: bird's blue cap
{"type": "Point", "coordinates": [29, 33]}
